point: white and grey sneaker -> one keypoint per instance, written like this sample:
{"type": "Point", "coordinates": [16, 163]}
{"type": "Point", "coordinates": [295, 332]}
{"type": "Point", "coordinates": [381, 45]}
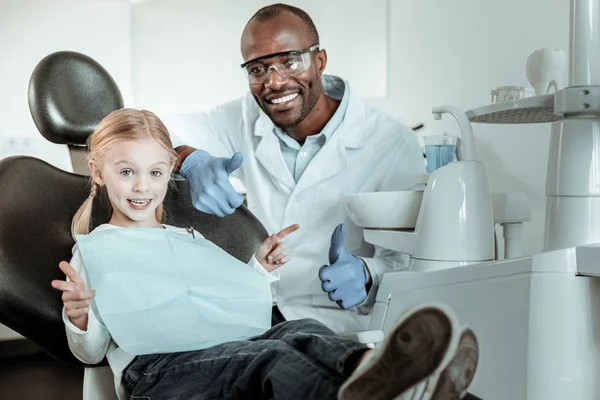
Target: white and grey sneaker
{"type": "Point", "coordinates": [421, 344]}
{"type": "Point", "coordinates": [452, 381]}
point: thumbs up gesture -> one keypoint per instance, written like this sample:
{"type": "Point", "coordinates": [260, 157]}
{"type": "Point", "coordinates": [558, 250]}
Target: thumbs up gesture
{"type": "Point", "coordinates": [346, 276]}
{"type": "Point", "coordinates": [208, 178]}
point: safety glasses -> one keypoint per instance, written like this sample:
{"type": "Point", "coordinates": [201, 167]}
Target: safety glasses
{"type": "Point", "coordinates": [287, 63]}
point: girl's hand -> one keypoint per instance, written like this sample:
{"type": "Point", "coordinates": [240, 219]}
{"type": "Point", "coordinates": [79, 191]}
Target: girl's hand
{"type": "Point", "coordinates": [75, 297]}
{"type": "Point", "coordinates": [271, 253]}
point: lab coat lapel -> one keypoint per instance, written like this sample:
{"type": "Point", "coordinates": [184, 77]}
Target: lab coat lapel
{"type": "Point", "coordinates": [329, 161]}
{"type": "Point", "coordinates": [333, 158]}
{"type": "Point", "coordinates": [268, 152]}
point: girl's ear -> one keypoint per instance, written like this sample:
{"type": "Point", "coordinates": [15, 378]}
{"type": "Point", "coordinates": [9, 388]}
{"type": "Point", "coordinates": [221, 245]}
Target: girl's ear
{"type": "Point", "coordinates": [96, 173]}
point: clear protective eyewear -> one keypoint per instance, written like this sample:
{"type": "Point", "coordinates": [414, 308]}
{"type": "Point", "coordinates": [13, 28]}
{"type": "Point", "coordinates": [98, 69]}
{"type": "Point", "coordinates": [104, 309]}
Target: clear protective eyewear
{"type": "Point", "coordinates": [287, 63]}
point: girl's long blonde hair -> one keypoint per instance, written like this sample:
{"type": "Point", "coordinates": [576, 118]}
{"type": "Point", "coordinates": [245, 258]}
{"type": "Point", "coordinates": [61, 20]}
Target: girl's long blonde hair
{"type": "Point", "coordinates": [119, 125]}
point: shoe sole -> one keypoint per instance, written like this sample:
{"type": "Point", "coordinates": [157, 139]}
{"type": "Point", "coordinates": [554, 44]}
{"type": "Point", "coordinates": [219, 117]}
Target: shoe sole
{"type": "Point", "coordinates": [420, 342]}
{"type": "Point", "coordinates": [458, 375]}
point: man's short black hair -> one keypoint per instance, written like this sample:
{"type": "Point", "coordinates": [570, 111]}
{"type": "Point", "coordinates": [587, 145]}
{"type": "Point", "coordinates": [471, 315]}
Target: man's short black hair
{"type": "Point", "coordinates": [272, 11]}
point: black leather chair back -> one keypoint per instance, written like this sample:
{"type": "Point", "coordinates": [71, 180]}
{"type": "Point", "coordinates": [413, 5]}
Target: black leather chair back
{"type": "Point", "coordinates": [38, 201]}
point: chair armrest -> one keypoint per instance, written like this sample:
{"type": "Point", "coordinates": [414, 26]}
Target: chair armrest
{"type": "Point", "coordinates": [367, 337]}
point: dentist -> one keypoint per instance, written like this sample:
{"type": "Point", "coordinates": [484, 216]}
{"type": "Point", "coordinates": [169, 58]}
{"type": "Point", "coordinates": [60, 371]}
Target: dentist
{"type": "Point", "coordinates": [298, 141]}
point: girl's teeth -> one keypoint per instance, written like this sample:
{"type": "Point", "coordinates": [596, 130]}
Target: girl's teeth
{"type": "Point", "coordinates": [139, 203]}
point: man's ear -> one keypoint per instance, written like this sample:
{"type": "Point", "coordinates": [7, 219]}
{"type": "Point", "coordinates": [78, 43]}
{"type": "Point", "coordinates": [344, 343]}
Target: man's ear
{"type": "Point", "coordinates": [321, 60]}
{"type": "Point", "coordinates": [96, 173]}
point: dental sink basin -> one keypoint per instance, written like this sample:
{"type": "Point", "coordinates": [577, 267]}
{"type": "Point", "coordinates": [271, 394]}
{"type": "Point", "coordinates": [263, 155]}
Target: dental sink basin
{"type": "Point", "coordinates": [384, 210]}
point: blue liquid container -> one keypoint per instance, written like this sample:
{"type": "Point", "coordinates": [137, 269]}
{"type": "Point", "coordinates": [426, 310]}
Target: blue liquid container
{"type": "Point", "coordinates": [439, 155]}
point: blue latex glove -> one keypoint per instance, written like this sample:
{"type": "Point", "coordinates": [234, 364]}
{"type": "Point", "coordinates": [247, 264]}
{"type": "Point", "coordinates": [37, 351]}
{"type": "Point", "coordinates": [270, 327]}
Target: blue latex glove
{"type": "Point", "coordinates": [346, 276]}
{"type": "Point", "coordinates": [208, 177]}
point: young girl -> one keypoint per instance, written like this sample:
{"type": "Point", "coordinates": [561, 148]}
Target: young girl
{"type": "Point", "coordinates": [131, 157]}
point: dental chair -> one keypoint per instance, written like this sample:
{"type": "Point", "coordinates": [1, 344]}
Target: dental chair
{"type": "Point", "coordinates": [69, 94]}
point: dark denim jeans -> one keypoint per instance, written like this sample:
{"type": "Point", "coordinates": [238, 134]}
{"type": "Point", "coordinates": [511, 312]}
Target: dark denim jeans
{"type": "Point", "coordinates": [299, 359]}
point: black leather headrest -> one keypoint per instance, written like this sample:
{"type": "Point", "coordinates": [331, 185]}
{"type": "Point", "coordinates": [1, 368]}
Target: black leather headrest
{"type": "Point", "coordinates": [69, 94]}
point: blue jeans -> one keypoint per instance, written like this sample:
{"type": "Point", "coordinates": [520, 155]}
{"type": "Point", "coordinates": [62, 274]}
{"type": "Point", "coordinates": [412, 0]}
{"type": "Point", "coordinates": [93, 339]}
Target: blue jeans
{"type": "Point", "coordinates": [300, 359]}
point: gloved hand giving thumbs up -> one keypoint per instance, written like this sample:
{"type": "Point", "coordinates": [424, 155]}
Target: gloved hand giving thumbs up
{"type": "Point", "coordinates": [346, 276]}
{"type": "Point", "coordinates": [208, 178]}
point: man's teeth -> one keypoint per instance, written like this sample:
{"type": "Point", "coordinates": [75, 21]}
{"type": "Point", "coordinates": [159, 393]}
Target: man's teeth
{"type": "Point", "coordinates": [139, 202]}
{"type": "Point", "coordinates": [284, 98]}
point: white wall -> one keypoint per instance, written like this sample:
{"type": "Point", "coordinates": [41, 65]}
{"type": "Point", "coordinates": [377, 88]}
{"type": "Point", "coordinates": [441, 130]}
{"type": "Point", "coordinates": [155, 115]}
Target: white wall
{"type": "Point", "coordinates": [440, 52]}
{"type": "Point", "coordinates": [186, 53]}
{"type": "Point", "coordinates": [32, 29]}
{"type": "Point", "coordinates": [455, 52]}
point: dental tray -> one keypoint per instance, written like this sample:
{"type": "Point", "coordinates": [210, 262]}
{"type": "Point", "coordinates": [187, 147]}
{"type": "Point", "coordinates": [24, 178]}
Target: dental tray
{"type": "Point", "coordinates": [530, 110]}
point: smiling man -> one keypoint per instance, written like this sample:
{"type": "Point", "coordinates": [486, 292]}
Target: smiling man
{"type": "Point", "coordinates": [298, 141]}
{"type": "Point", "coordinates": [280, 51]}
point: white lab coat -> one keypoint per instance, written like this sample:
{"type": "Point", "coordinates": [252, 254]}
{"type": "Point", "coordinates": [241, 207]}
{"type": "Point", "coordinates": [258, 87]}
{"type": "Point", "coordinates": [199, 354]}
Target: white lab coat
{"type": "Point", "coordinates": [368, 152]}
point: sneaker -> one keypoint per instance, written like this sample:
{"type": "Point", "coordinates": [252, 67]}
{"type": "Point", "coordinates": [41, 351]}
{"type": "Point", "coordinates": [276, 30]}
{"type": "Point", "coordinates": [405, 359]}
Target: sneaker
{"type": "Point", "coordinates": [454, 378]}
{"type": "Point", "coordinates": [424, 339]}
{"type": "Point", "coordinates": [458, 375]}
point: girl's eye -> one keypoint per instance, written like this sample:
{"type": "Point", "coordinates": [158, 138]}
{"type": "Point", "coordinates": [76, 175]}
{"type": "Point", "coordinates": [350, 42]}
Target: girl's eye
{"type": "Point", "coordinates": [127, 172]}
{"type": "Point", "coordinates": [156, 173]}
